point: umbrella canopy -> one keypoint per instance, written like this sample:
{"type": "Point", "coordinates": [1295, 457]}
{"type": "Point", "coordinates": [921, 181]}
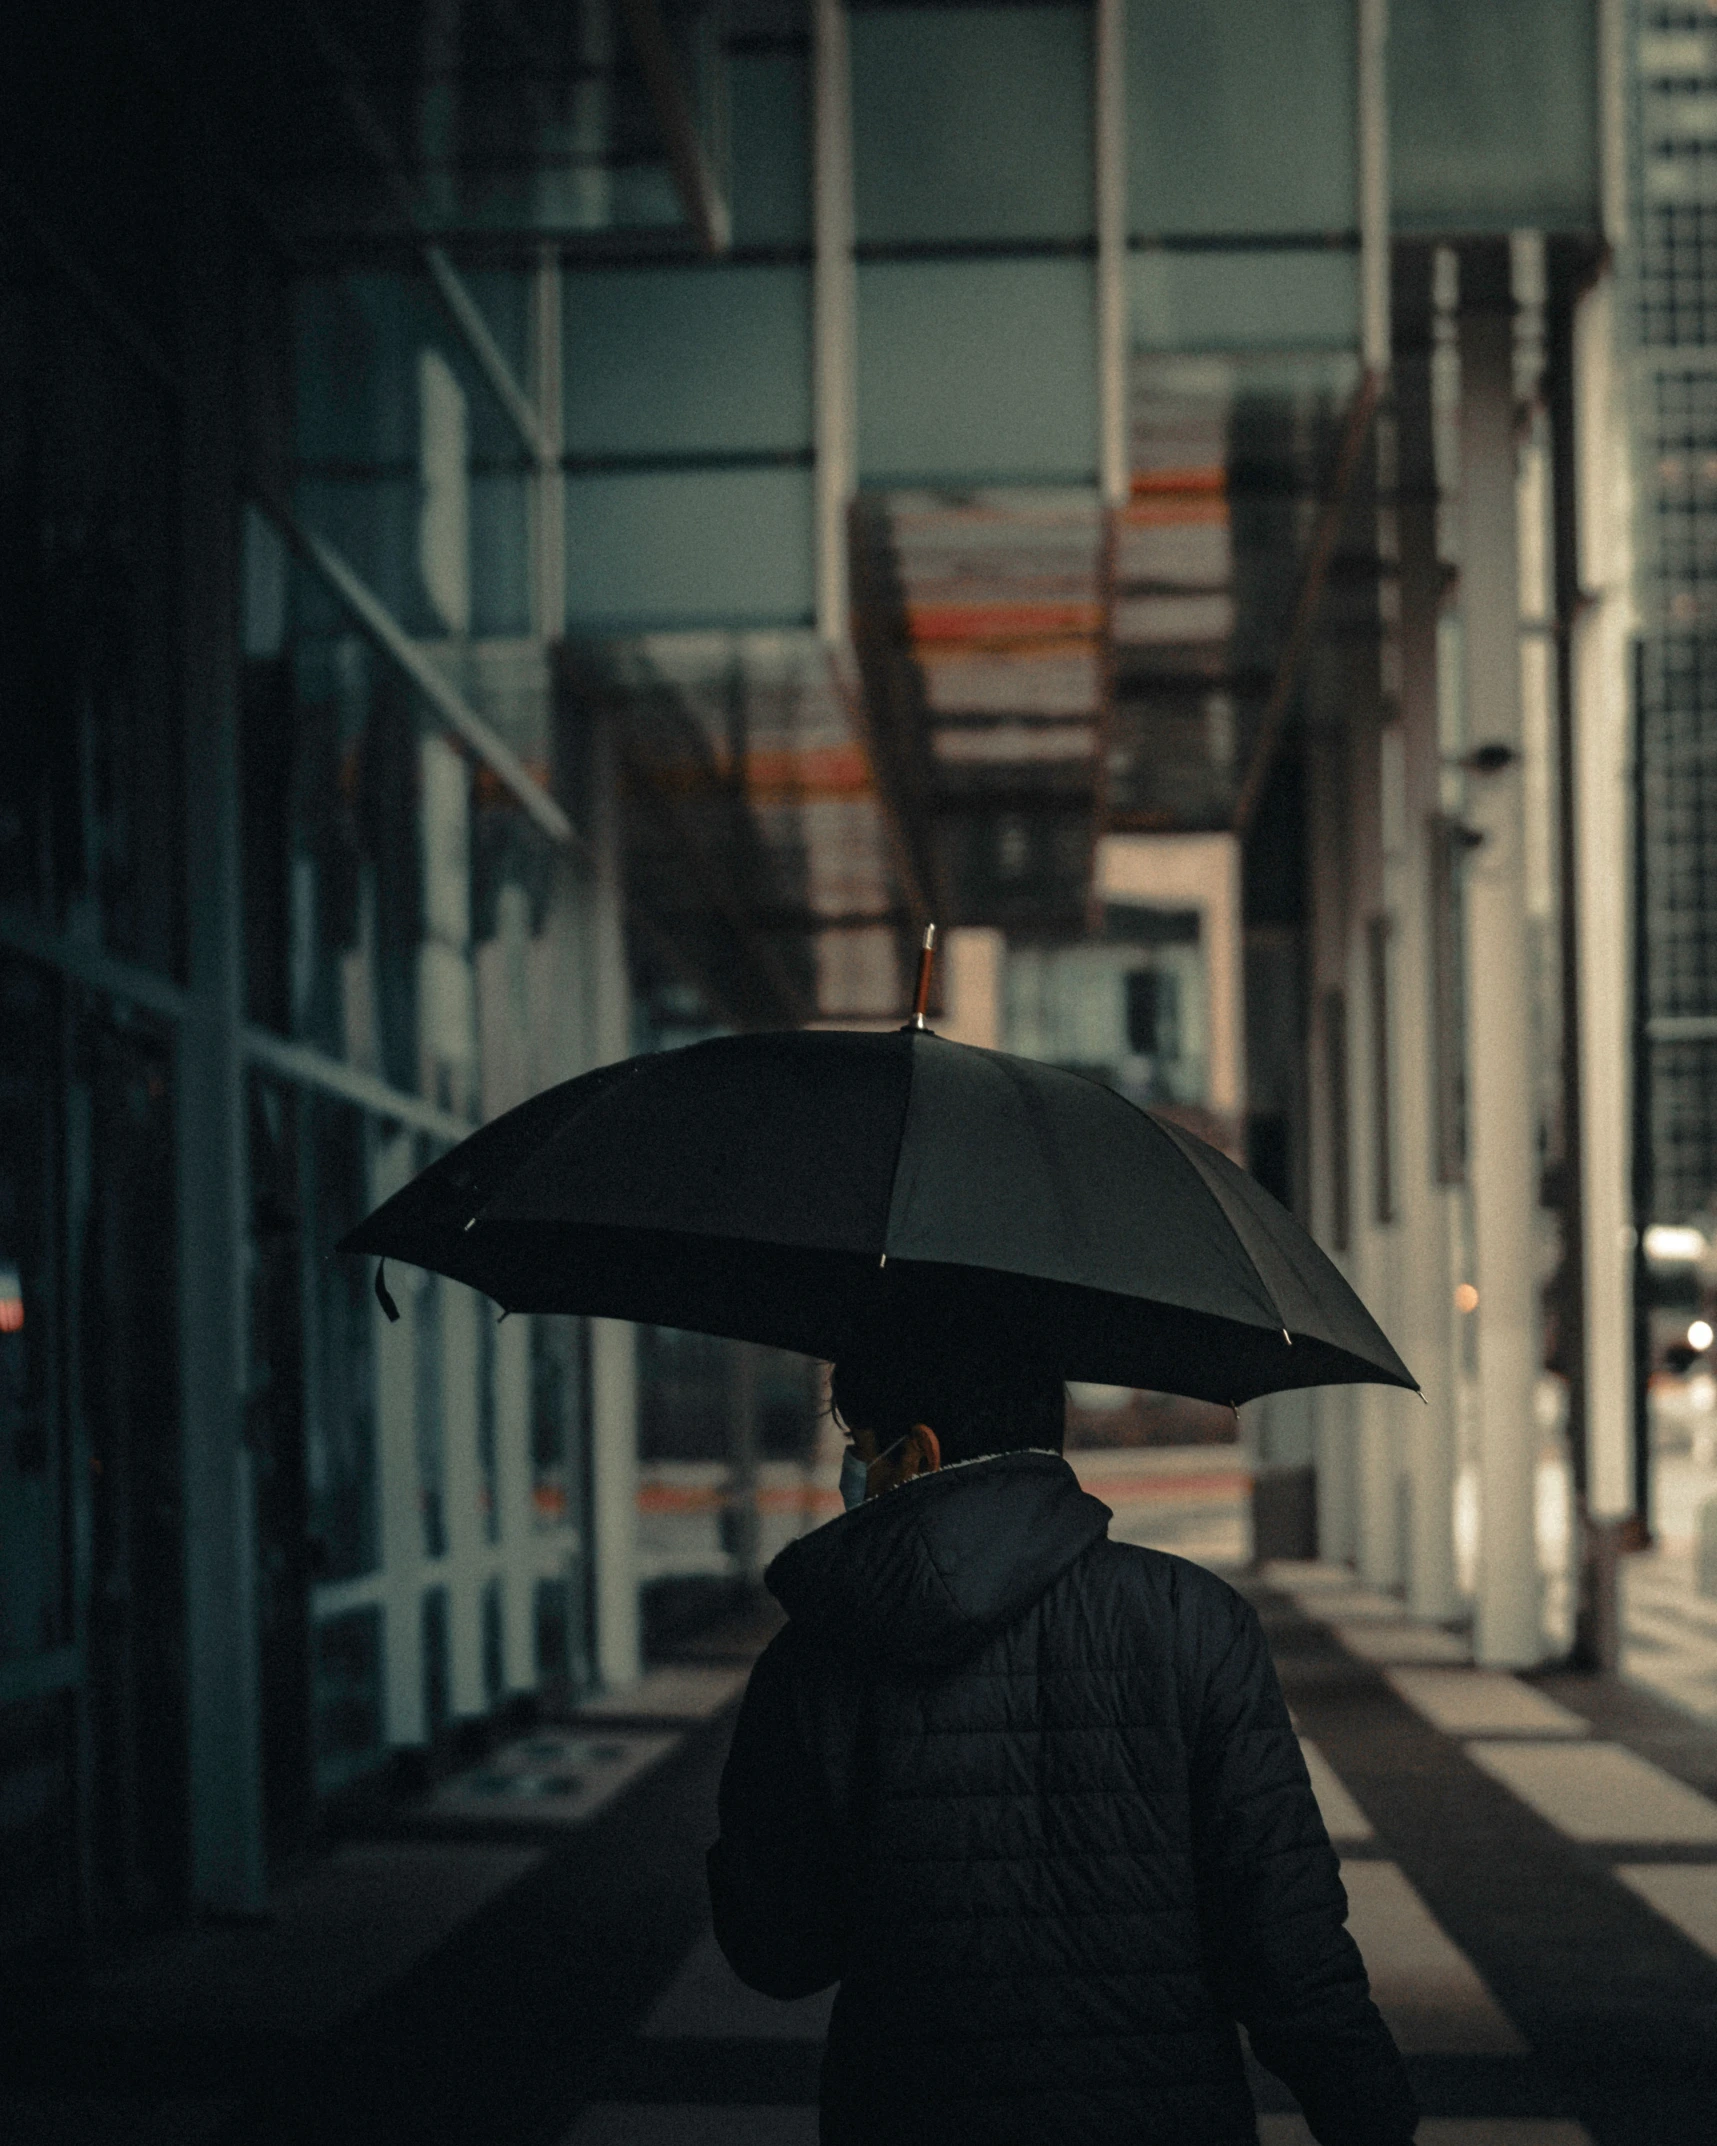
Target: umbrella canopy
{"type": "Point", "coordinates": [799, 1188]}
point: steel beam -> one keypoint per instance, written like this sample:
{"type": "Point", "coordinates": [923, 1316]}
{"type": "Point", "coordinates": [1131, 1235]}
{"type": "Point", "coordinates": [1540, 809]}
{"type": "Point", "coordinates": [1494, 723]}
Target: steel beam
{"type": "Point", "coordinates": [1356, 428]}
{"type": "Point", "coordinates": [706, 209]}
{"type": "Point", "coordinates": [452, 707]}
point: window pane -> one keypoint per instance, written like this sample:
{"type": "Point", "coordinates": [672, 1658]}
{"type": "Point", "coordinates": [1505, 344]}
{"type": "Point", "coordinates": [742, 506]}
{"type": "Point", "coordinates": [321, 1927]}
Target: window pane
{"type": "Point", "coordinates": [972, 122]}
{"type": "Point", "coordinates": [376, 849]}
{"type": "Point", "coordinates": [769, 129]}
{"type": "Point", "coordinates": [33, 1518]}
{"type": "Point", "coordinates": [688, 360]}
{"type": "Point", "coordinates": [91, 818]}
{"type": "Point", "coordinates": [727, 547]}
{"type": "Point", "coordinates": [274, 1432]}
{"type": "Point", "coordinates": [1243, 301]}
{"type": "Point", "coordinates": [494, 1643]}
{"type": "Point", "coordinates": [1468, 151]}
{"type": "Point", "coordinates": [1241, 118]}
{"type": "Point", "coordinates": [976, 371]}
{"type": "Point", "coordinates": [340, 1441]}
{"type": "Point", "coordinates": [38, 1869]}
{"type": "Point", "coordinates": [123, 1284]}
{"type": "Point", "coordinates": [431, 1422]}
{"type": "Point", "coordinates": [488, 1458]}
{"type": "Point", "coordinates": [560, 1413]}
{"type": "Point", "coordinates": [552, 1621]}
{"type": "Point", "coordinates": [437, 1705]}
{"type": "Point", "coordinates": [347, 1698]}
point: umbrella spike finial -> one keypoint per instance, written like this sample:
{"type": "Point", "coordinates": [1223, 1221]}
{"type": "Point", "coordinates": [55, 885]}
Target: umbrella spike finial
{"type": "Point", "coordinates": [926, 962]}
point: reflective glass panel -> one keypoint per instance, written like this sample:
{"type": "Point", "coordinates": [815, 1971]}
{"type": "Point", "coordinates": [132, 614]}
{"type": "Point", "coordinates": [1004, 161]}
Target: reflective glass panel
{"type": "Point", "coordinates": [666, 548]}
{"type": "Point", "coordinates": [976, 371]}
{"type": "Point", "coordinates": [1493, 115]}
{"type": "Point", "coordinates": [340, 1415]}
{"type": "Point", "coordinates": [33, 1515]}
{"type": "Point", "coordinates": [688, 359]}
{"type": "Point", "coordinates": [347, 1696]}
{"type": "Point", "coordinates": [972, 123]}
{"type": "Point", "coordinates": [91, 782]}
{"type": "Point", "coordinates": [1241, 118]}
{"type": "Point", "coordinates": [431, 1416]}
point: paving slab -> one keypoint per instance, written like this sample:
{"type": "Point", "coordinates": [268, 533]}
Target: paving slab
{"type": "Point", "coordinates": [1601, 1792]}
{"type": "Point", "coordinates": [1424, 1985]}
{"type": "Point", "coordinates": [1483, 1702]}
{"type": "Point", "coordinates": [1353, 1603]}
{"type": "Point", "coordinates": [1345, 1822]}
{"type": "Point", "coordinates": [1382, 1642]}
{"type": "Point", "coordinates": [1682, 1893]}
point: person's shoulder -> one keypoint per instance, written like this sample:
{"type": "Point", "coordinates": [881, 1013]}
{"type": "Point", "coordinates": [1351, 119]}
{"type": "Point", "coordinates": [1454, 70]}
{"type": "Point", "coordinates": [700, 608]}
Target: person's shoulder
{"type": "Point", "coordinates": [1174, 1585]}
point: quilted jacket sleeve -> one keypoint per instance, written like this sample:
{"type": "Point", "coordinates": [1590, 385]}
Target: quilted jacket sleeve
{"type": "Point", "coordinates": [1272, 1902]}
{"type": "Point", "coordinates": [772, 1874]}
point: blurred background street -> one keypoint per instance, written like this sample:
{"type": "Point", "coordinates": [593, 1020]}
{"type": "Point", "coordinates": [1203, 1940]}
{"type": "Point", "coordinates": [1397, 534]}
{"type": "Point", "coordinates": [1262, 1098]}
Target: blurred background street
{"type": "Point", "coordinates": [536, 533]}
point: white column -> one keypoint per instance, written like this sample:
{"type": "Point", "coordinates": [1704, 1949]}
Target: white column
{"type": "Point", "coordinates": [399, 1523]}
{"type": "Point", "coordinates": [227, 1855]}
{"type": "Point", "coordinates": [1378, 1512]}
{"type": "Point", "coordinates": [465, 1570]}
{"type": "Point", "coordinates": [833, 309]}
{"type": "Point", "coordinates": [513, 1496]}
{"type": "Point", "coordinates": [1331, 1142]}
{"type": "Point", "coordinates": [1372, 85]}
{"type": "Point", "coordinates": [1601, 879]}
{"type": "Point", "coordinates": [548, 481]}
{"type": "Point", "coordinates": [1501, 1130]}
{"type": "Point", "coordinates": [613, 1345]}
{"type": "Point", "coordinates": [1109, 136]}
{"type": "Point", "coordinates": [1424, 1312]}
{"type": "Point", "coordinates": [1425, 1337]}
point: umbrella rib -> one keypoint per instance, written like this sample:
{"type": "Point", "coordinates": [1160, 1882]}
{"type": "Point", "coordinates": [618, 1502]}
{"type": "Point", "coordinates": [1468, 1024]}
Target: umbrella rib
{"type": "Point", "coordinates": [900, 1140]}
{"type": "Point", "coordinates": [1270, 1298]}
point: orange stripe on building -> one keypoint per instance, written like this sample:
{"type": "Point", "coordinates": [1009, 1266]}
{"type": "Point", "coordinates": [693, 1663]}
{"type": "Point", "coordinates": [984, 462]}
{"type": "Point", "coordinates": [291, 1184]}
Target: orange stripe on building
{"type": "Point", "coordinates": [1147, 1489]}
{"type": "Point", "coordinates": [1188, 511]}
{"type": "Point", "coordinates": [1006, 622]}
{"type": "Point", "coordinates": [1190, 477]}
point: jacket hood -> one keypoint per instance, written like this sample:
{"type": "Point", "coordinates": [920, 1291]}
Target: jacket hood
{"type": "Point", "coordinates": [925, 1574]}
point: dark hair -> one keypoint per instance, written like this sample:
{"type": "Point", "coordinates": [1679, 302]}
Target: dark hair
{"type": "Point", "coordinates": [974, 1404]}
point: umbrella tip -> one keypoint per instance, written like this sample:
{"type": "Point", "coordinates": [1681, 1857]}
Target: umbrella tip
{"type": "Point", "coordinates": [926, 962]}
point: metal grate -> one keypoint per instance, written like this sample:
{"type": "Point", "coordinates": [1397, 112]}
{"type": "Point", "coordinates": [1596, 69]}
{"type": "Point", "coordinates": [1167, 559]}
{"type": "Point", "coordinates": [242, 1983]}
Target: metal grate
{"type": "Point", "coordinates": [1674, 318]}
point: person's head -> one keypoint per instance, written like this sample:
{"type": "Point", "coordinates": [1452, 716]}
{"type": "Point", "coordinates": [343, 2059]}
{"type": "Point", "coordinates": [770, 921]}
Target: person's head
{"type": "Point", "coordinates": [911, 1409]}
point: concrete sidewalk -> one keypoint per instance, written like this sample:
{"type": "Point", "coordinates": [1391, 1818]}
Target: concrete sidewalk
{"type": "Point", "coordinates": [1531, 1864]}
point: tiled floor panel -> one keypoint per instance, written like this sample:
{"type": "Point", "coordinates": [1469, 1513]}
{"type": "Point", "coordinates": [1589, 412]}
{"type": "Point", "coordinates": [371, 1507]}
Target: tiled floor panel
{"type": "Point", "coordinates": [1535, 1898]}
{"type": "Point", "coordinates": [1601, 1792]}
{"type": "Point", "coordinates": [1684, 1894]}
{"type": "Point", "coordinates": [1484, 1702]}
{"type": "Point", "coordinates": [1423, 1984]}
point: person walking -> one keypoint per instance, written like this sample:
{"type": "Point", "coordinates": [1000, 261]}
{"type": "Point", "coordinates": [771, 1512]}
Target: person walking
{"type": "Point", "coordinates": [1032, 1799]}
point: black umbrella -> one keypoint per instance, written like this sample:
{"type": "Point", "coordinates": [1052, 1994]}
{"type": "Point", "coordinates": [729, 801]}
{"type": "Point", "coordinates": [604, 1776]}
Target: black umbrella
{"type": "Point", "coordinates": [800, 1188]}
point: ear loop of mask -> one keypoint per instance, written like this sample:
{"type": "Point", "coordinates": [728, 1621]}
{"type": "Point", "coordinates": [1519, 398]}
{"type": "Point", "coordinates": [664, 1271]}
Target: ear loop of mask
{"type": "Point", "coordinates": [855, 1472]}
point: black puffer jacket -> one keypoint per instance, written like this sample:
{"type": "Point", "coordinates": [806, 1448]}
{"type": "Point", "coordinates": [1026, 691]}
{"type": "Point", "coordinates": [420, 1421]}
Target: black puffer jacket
{"type": "Point", "coordinates": [1033, 1799]}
